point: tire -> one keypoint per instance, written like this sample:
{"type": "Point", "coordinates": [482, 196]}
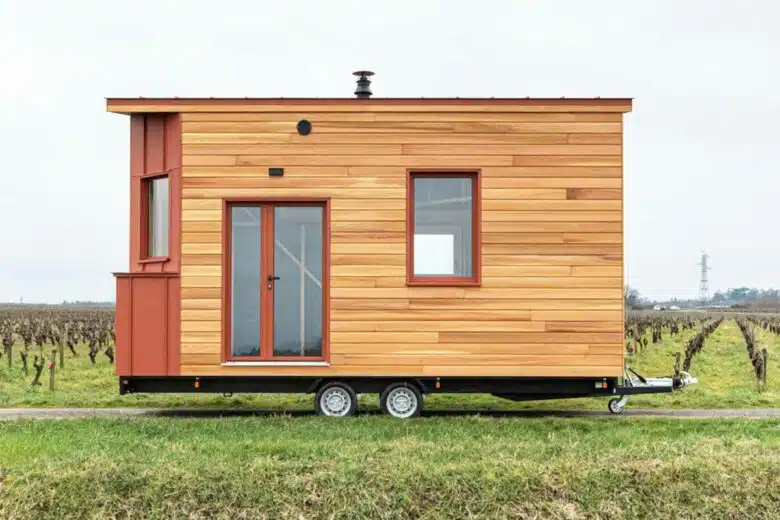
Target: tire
{"type": "Point", "coordinates": [401, 400]}
{"type": "Point", "coordinates": [616, 405]}
{"type": "Point", "coordinates": [335, 400]}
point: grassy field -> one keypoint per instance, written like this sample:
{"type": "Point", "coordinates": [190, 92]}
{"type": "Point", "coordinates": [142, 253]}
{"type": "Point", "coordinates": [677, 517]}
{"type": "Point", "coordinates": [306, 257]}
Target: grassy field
{"type": "Point", "coordinates": [379, 468]}
{"type": "Point", "coordinates": [723, 369]}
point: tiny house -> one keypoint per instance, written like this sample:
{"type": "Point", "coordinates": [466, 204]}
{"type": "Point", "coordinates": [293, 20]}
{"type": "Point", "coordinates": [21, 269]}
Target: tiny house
{"type": "Point", "coordinates": [363, 244]}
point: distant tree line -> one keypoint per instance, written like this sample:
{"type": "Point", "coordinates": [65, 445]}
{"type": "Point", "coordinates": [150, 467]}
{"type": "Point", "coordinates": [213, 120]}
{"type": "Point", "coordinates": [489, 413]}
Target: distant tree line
{"type": "Point", "coordinates": [733, 297]}
{"type": "Point", "coordinates": [746, 294]}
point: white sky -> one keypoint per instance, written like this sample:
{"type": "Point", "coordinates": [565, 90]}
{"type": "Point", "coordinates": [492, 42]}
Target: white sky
{"type": "Point", "coordinates": [703, 145]}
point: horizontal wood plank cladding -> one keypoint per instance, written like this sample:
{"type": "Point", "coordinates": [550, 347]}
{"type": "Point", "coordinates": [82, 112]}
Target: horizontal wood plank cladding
{"type": "Point", "coordinates": [539, 117]}
{"type": "Point", "coordinates": [518, 282]}
{"type": "Point", "coordinates": [552, 216]}
{"type": "Point", "coordinates": [372, 360]}
{"type": "Point", "coordinates": [520, 176]}
{"type": "Point", "coordinates": [208, 367]}
{"type": "Point", "coordinates": [551, 298]}
{"type": "Point", "coordinates": [550, 238]}
{"type": "Point", "coordinates": [508, 149]}
{"type": "Point", "coordinates": [409, 161]}
{"type": "Point", "coordinates": [303, 149]}
{"type": "Point", "coordinates": [391, 127]}
{"type": "Point", "coordinates": [225, 182]}
{"type": "Point", "coordinates": [356, 193]}
{"type": "Point", "coordinates": [435, 293]}
{"type": "Point", "coordinates": [458, 349]}
{"type": "Point", "coordinates": [483, 359]}
{"type": "Point", "coordinates": [255, 138]}
{"type": "Point", "coordinates": [566, 183]}
{"type": "Point", "coordinates": [440, 326]}
{"type": "Point", "coordinates": [552, 227]}
{"type": "Point", "coordinates": [565, 160]}
{"type": "Point", "coordinates": [405, 149]}
{"type": "Point", "coordinates": [459, 304]}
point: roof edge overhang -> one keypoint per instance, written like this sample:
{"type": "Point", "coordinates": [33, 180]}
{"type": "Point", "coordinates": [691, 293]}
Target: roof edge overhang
{"type": "Point", "coordinates": [176, 104]}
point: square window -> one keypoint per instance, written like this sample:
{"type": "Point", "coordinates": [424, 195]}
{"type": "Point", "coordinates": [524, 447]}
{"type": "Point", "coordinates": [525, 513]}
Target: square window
{"type": "Point", "coordinates": [444, 223]}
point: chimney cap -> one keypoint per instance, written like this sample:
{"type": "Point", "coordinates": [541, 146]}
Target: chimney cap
{"type": "Point", "coordinates": [363, 90]}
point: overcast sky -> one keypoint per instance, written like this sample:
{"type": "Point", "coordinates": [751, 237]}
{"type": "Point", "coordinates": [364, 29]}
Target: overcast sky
{"type": "Point", "coordinates": [702, 150]}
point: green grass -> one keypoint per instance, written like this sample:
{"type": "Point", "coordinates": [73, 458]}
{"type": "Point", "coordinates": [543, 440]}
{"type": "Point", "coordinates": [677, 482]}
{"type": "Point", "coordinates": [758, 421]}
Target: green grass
{"type": "Point", "coordinates": [723, 368]}
{"type": "Point", "coordinates": [379, 468]}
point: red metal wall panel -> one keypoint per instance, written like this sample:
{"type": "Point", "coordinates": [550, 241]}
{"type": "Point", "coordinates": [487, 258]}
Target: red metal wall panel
{"type": "Point", "coordinates": [173, 326]}
{"type": "Point", "coordinates": [148, 298]}
{"type": "Point", "coordinates": [155, 148]}
{"type": "Point", "coordinates": [150, 337]}
{"type": "Point", "coordinates": [147, 323]}
{"type": "Point", "coordinates": [123, 326]}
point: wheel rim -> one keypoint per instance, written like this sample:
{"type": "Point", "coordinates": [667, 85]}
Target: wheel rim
{"type": "Point", "coordinates": [402, 402]}
{"type": "Point", "coordinates": [335, 402]}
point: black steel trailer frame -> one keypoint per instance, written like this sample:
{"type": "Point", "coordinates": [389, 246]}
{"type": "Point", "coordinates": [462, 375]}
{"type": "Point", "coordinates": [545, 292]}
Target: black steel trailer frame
{"type": "Point", "coordinates": [513, 388]}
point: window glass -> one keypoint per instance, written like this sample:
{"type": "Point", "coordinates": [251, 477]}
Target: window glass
{"type": "Point", "coordinates": [245, 274]}
{"type": "Point", "coordinates": [298, 290]}
{"type": "Point", "coordinates": [158, 217]}
{"type": "Point", "coordinates": [443, 226]}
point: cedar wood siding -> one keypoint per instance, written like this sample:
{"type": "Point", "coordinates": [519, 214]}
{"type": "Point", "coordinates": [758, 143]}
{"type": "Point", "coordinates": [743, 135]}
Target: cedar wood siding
{"type": "Point", "coordinates": [550, 302]}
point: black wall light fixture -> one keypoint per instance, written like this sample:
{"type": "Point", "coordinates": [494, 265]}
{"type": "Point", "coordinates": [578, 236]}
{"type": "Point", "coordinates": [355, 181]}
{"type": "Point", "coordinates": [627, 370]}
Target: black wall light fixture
{"type": "Point", "coordinates": [304, 127]}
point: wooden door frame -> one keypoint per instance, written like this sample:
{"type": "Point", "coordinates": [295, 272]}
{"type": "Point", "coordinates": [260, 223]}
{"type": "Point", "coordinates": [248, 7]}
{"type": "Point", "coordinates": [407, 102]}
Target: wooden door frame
{"type": "Point", "coordinates": [266, 260]}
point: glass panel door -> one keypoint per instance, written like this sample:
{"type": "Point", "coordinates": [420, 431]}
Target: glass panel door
{"type": "Point", "coordinates": [297, 281]}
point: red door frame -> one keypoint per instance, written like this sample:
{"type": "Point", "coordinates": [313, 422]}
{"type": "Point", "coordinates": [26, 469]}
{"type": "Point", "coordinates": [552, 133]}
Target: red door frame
{"type": "Point", "coordinates": [267, 264]}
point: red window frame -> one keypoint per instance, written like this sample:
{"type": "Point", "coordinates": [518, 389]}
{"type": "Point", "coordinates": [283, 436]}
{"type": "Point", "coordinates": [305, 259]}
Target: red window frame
{"type": "Point", "coordinates": [146, 182]}
{"type": "Point", "coordinates": [266, 206]}
{"type": "Point", "coordinates": [475, 279]}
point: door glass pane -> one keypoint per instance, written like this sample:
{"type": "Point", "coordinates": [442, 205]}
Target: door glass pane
{"type": "Point", "coordinates": [245, 281]}
{"type": "Point", "coordinates": [298, 291]}
{"type": "Point", "coordinates": [442, 226]}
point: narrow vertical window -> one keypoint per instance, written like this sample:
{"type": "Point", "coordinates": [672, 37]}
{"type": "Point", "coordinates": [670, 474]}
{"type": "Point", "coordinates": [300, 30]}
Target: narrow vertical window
{"type": "Point", "coordinates": [443, 244]}
{"type": "Point", "coordinates": [157, 211]}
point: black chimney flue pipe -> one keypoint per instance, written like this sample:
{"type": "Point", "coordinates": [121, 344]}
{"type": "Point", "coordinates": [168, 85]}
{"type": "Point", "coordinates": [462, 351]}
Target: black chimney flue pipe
{"type": "Point", "coordinates": [363, 90]}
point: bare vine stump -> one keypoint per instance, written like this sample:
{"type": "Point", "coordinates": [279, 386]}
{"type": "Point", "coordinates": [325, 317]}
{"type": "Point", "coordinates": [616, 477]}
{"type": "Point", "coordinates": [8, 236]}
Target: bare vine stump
{"type": "Point", "coordinates": [110, 354]}
{"type": "Point", "coordinates": [38, 366]}
{"type": "Point", "coordinates": [23, 355]}
{"type": "Point", "coordinates": [765, 356]}
{"type": "Point", "coordinates": [63, 340]}
{"type": "Point", "coordinates": [9, 350]}
{"type": "Point", "coordinates": [52, 367]}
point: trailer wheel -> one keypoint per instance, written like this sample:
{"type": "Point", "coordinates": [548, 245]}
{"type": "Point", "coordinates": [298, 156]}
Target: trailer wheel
{"type": "Point", "coordinates": [616, 405]}
{"type": "Point", "coordinates": [335, 400]}
{"type": "Point", "coordinates": [401, 400]}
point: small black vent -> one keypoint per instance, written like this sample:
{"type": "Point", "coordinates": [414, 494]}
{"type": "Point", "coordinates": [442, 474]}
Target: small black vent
{"type": "Point", "coordinates": [275, 172]}
{"type": "Point", "coordinates": [363, 90]}
{"type": "Point", "coordinates": [304, 127]}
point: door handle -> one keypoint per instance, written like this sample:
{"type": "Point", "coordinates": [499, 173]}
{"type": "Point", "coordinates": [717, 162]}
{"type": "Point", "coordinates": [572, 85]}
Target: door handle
{"type": "Point", "coordinates": [271, 280]}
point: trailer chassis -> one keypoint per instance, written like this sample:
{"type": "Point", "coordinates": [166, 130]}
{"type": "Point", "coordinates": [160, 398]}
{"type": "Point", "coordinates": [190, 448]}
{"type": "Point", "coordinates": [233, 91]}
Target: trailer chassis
{"type": "Point", "coordinates": [398, 392]}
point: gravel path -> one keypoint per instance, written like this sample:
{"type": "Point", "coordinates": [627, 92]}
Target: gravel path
{"type": "Point", "coordinates": [76, 413]}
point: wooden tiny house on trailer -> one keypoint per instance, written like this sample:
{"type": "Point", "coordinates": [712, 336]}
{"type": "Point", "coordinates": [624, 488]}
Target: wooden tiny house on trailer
{"type": "Point", "coordinates": [402, 246]}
